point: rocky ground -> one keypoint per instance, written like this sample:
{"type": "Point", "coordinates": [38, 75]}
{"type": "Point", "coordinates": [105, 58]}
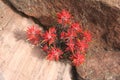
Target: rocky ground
{"type": "Point", "coordinates": [101, 17]}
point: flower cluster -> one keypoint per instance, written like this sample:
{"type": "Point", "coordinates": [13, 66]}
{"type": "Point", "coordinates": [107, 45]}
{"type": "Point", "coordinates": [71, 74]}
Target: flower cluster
{"type": "Point", "coordinates": [67, 37]}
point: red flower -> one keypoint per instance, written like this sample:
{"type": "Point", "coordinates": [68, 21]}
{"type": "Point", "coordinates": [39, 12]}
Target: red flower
{"type": "Point", "coordinates": [70, 45]}
{"type": "Point", "coordinates": [68, 36]}
{"type": "Point", "coordinates": [82, 45]}
{"type": "Point", "coordinates": [77, 59]}
{"type": "Point", "coordinates": [62, 35]}
{"type": "Point", "coordinates": [49, 36]}
{"type": "Point", "coordinates": [71, 34]}
{"type": "Point", "coordinates": [87, 36]}
{"type": "Point", "coordinates": [45, 48]}
{"type": "Point", "coordinates": [52, 30]}
{"type": "Point", "coordinates": [54, 54]}
{"type": "Point", "coordinates": [76, 27]}
{"type": "Point", "coordinates": [33, 34]}
{"type": "Point", "coordinates": [63, 17]}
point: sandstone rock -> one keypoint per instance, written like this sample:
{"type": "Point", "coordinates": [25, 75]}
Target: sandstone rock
{"type": "Point", "coordinates": [103, 67]}
{"type": "Point", "coordinates": [101, 17]}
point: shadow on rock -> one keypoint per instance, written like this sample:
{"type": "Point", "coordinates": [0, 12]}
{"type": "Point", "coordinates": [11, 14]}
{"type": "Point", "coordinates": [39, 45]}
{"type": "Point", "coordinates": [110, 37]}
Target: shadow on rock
{"type": "Point", "coordinates": [38, 52]}
{"type": "Point", "coordinates": [20, 35]}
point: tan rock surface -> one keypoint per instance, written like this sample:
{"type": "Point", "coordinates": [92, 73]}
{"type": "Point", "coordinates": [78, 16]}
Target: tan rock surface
{"type": "Point", "coordinates": [18, 60]}
{"type": "Point", "coordinates": [104, 67]}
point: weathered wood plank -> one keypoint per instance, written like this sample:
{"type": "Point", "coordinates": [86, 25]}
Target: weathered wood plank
{"type": "Point", "coordinates": [18, 60]}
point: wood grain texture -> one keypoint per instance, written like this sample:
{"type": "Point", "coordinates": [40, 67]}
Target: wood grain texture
{"type": "Point", "coordinates": [18, 60]}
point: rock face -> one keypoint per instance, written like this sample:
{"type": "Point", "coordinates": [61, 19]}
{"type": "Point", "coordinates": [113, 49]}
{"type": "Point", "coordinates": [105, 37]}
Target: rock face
{"type": "Point", "coordinates": [103, 67]}
{"type": "Point", "coordinates": [101, 17]}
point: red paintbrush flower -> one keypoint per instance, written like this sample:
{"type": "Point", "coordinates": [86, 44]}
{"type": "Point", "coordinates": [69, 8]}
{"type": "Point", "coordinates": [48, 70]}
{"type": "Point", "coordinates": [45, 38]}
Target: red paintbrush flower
{"type": "Point", "coordinates": [70, 45]}
{"type": "Point", "coordinates": [76, 27]}
{"type": "Point", "coordinates": [63, 17]}
{"type": "Point", "coordinates": [77, 59]}
{"type": "Point", "coordinates": [52, 30]}
{"type": "Point", "coordinates": [67, 37]}
{"type": "Point", "coordinates": [33, 34]}
{"type": "Point", "coordinates": [45, 48]}
{"type": "Point", "coordinates": [81, 45]}
{"type": "Point", "coordinates": [54, 54]}
{"type": "Point", "coordinates": [62, 35]}
{"type": "Point", "coordinates": [87, 36]}
{"type": "Point", "coordinates": [71, 34]}
{"type": "Point", "coordinates": [49, 36]}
